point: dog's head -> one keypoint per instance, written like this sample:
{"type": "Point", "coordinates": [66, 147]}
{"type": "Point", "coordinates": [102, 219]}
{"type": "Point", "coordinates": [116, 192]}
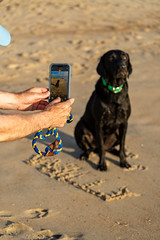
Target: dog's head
{"type": "Point", "coordinates": [114, 65]}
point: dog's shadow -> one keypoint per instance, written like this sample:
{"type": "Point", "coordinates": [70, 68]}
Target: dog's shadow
{"type": "Point", "coordinates": [69, 147]}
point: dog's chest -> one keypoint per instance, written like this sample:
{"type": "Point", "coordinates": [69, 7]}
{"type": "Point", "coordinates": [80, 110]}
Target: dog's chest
{"type": "Point", "coordinates": [113, 116]}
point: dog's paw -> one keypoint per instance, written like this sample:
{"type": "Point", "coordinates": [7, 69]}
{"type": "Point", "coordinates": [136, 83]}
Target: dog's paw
{"type": "Point", "coordinates": [125, 164]}
{"type": "Point", "coordinates": [84, 157]}
{"type": "Point", "coordinates": [102, 167]}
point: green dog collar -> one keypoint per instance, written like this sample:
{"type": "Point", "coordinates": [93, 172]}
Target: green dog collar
{"type": "Point", "coordinates": [111, 88]}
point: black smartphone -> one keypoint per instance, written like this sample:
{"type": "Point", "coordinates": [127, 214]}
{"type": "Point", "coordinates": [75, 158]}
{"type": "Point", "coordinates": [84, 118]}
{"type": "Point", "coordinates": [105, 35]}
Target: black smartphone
{"type": "Point", "coordinates": [59, 81]}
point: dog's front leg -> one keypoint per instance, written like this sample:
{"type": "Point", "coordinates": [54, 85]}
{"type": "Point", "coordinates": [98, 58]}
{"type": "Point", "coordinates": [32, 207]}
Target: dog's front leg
{"type": "Point", "coordinates": [100, 140]}
{"type": "Point", "coordinates": [122, 136]}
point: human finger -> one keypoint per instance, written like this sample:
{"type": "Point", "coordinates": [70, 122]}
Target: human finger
{"type": "Point", "coordinates": [67, 103]}
{"type": "Point", "coordinates": [42, 95]}
{"type": "Point", "coordinates": [38, 90]}
{"type": "Point", "coordinates": [57, 100]}
{"type": "Point", "coordinates": [70, 101]}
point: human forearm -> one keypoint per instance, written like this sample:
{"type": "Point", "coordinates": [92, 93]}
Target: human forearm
{"type": "Point", "coordinates": [16, 126]}
{"type": "Point", "coordinates": [8, 100]}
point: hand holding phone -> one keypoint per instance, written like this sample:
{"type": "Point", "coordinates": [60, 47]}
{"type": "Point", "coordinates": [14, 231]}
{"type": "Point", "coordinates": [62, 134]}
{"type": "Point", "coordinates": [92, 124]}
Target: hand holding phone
{"type": "Point", "coordinates": [59, 81]}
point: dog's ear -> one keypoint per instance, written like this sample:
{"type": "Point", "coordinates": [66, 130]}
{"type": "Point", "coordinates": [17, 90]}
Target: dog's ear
{"type": "Point", "coordinates": [101, 67]}
{"type": "Point", "coordinates": [129, 67]}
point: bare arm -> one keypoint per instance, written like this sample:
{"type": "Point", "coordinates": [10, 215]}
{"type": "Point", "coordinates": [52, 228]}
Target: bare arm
{"type": "Point", "coordinates": [29, 100]}
{"type": "Point", "coordinates": [15, 126]}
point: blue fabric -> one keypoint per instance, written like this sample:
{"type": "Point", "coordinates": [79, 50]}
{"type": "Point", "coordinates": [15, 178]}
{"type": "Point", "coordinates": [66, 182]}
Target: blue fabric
{"type": "Point", "coordinates": [5, 37]}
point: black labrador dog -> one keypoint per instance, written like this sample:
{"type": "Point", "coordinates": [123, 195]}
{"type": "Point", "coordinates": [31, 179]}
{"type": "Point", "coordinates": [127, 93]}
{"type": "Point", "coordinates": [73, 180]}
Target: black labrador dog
{"type": "Point", "coordinates": [104, 123]}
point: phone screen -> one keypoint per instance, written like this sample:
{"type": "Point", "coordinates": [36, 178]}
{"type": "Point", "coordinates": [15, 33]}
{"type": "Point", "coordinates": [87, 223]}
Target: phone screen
{"type": "Point", "coordinates": [59, 81]}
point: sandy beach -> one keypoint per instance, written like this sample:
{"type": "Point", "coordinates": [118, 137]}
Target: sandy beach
{"type": "Point", "coordinates": [61, 197]}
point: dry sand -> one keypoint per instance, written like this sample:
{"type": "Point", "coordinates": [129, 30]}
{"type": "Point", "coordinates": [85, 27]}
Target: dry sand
{"type": "Point", "coordinates": [61, 197]}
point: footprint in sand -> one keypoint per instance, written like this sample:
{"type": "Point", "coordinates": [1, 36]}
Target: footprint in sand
{"type": "Point", "coordinates": [131, 155]}
{"type": "Point", "coordinates": [5, 214]}
{"type": "Point", "coordinates": [36, 213]}
{"type": "Point", "coordinates": [48, 234]}
{"type": "Point", "coordinates": [17, 229]}
{"type": "Point", "coordinates": [76, 42]}
{"type": "Point", "coordinates": [13, 66]}
{"type": "Point", "coordinates": [30, 213]}
{"type": "Point", "coordinates": [136, 167]}
{"type": "Point", "coordinates": [14, 228]}
{"type": "Point", "coordinates": [79, 68]}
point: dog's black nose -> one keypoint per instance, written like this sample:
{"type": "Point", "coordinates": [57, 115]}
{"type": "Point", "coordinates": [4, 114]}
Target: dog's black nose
{"type": "Point", "coordinates": [122, 66]}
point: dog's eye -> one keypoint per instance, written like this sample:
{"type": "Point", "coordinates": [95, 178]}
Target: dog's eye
{"type": "Point", "coordinates": [112, 57]}
{"type": "Point", "coordinates": [124, 57]}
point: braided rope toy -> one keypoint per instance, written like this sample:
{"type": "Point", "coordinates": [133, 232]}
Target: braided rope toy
{"type": "Point", "coordinates": [49, 150]}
